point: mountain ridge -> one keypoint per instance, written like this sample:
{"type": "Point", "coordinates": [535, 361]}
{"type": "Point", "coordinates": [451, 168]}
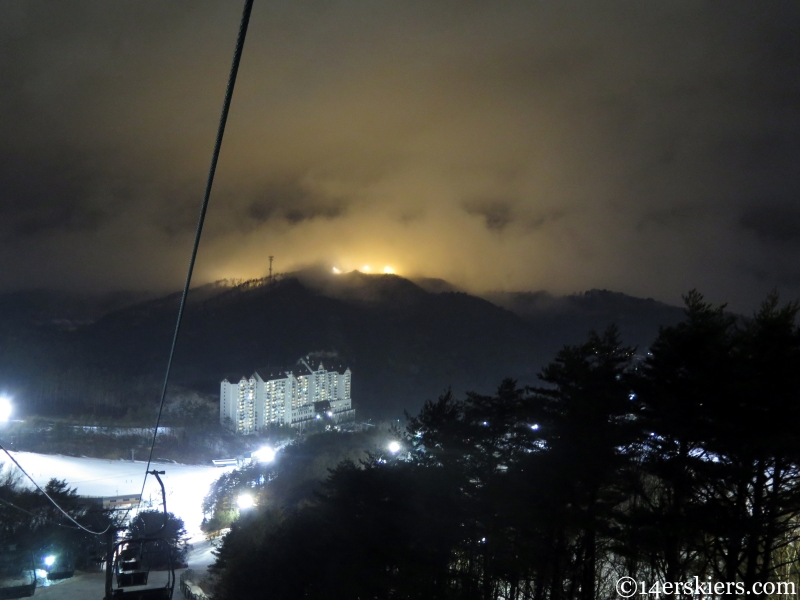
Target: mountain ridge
{"type": "Point", "coordinates": [404, 344]}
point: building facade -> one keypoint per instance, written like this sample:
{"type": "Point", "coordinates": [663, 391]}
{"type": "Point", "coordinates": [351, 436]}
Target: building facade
{"type": "Point", "coordinates": [253, 404]}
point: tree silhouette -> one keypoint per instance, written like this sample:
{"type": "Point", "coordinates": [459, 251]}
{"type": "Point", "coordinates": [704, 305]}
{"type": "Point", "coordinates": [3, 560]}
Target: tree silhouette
{"type": "Point", "coordinates": [154, 524]}
{"type": "Point", "coordinates": [684, 463]}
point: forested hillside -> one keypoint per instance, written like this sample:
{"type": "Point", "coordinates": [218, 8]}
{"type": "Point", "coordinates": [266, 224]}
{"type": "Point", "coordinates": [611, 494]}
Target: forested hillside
{"type": "Point", "coordinates": [615, 477]}
{"type": "Point", "coordinates": [403, 343]}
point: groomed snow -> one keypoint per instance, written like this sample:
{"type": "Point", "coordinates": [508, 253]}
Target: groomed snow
{"type": "Point", "coordinates": [186, 485]}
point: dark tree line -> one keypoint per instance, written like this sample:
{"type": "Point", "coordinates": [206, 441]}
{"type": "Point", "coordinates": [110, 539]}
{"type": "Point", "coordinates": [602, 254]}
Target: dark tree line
{"type": "Point", "coordinates": [30, 523]}
{"type": "Point", "coordinates": [681, 463]}
{"type": "Point", "coordinates": [290, 482]}
{"type": "Point", "coordinates": [154, 524]}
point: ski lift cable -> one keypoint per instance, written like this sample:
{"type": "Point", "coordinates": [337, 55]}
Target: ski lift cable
{"type": "Point", "coordinates": [203, 209]}
{"type": "Point", "coordinates": [237, 55]}
{"type": "Point", "coordinates": [46, 495]}
{"type": "Point", "coordinates": [27, 512]}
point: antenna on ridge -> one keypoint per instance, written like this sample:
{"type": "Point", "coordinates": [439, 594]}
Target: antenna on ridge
{"type": "Point", "coordinates": [270, 267]}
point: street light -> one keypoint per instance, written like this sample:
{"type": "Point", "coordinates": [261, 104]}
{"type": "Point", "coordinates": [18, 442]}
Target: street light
{"type": "Point", "coordinates": [5, 409]}
{"type": "Point", "coordinates": [245, 501]}
{"type": "Point", "coordinates": [265, 454]}
{"type": "Point", "coordinates": [394, 447]}
{"type": "Point", "coordinates": [49, 560]}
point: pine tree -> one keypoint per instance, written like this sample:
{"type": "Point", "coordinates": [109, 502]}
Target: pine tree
{"type": "Point", "coordinates": [584, 417]}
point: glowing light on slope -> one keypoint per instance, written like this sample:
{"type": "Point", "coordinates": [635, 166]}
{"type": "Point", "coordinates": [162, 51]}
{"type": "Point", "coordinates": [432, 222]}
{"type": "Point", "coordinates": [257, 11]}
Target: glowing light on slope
{"type": "Point", "coordinates": [245, 501]}
{"type": "Point", "coordinates": [5, 409]}
{"type": "Point", "coordinates": [264, 454]}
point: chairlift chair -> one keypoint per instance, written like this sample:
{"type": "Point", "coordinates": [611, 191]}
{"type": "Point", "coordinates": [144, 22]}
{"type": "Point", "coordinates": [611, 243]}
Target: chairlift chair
{"type": "Point", "coordinates": [132, 564]}
{"type": "Point", "coordinates": [17, 574]}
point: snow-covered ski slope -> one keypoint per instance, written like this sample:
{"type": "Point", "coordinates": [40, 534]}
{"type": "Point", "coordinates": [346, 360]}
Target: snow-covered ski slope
{"type": "Point", "coordinates": [186, 485]}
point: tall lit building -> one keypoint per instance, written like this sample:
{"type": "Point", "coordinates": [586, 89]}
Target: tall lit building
{"type": "Point", "coordinates": [253, 404]}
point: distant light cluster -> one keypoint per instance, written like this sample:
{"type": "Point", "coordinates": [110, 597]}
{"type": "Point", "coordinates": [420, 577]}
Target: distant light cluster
{"type": "Point", "coordinates": [366, 269]}
{"type": "Point", "coordinates": [253, 404]}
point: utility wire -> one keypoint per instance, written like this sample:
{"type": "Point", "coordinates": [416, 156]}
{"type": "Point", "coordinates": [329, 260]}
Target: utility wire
{"type": "Point", "coordinates": [237, 55]}
{"type": "Point", "coordinates": [46, 495]}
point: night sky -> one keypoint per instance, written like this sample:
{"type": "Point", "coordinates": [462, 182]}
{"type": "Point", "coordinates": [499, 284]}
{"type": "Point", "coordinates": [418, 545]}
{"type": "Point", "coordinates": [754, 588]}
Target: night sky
{"type": "Point", "coordinates": [644, 147]}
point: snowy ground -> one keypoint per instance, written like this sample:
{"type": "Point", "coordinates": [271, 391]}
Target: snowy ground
{"type": "Point", "coordinates": [91, 586]}
{"type": "Point", "coordinates": [186, 485]}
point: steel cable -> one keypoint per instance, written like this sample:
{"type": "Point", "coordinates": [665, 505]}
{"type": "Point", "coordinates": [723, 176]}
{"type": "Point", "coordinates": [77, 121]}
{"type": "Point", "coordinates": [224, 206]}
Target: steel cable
{"type": "Point", "coordinates": [46, 495]}
{"type": "Point", "coordinates": [248, 6]}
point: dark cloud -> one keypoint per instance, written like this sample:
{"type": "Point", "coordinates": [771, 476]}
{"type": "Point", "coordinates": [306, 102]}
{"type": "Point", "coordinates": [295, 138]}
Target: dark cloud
{"type": "Point", "coordinates": [45, 190]}
{"type": "Point", "coordinates": [537, 221]}
{"type": "Point", "coordinates": [408, 217]}
{"type": "Point", "coordinates": [177, 215]}
{"type": "Point", "coordinates": [669, 217]}
{"type": "Point", "coordinates": [499, 214]}
{"type": "Point", "coordinates": [773, 223]}
{"type": "Point", "coordinates": [435, 137]}
{"type": "Point", "coordinates": [759, 150]}
{"type": "Point", "coordinates": [783, 277]}
{"type": "Point", "coordinates": [496, 214]}
{"type": "Point", "coordinates": [290, 202]}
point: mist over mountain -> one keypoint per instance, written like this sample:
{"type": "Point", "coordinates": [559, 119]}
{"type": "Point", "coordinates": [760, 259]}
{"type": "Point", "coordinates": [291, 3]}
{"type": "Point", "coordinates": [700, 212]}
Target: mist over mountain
{"type": "Point", "coordinates": [63, 309]}
{"type": "Point", "coordinates": [567, 319]}
{"type": "Point", "coordinates": [405, 341]}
